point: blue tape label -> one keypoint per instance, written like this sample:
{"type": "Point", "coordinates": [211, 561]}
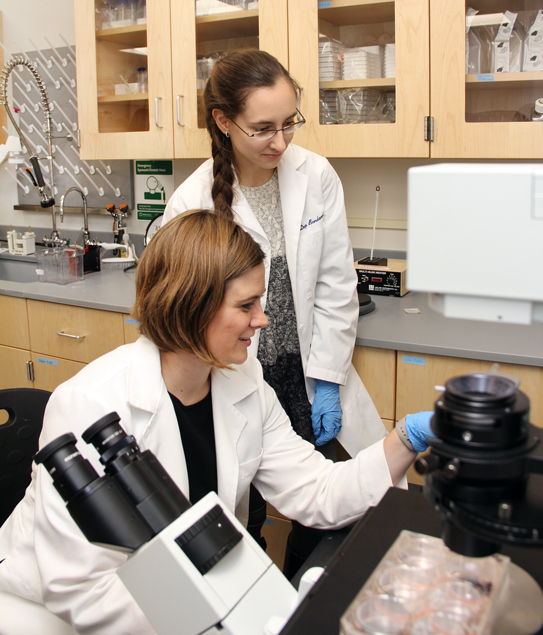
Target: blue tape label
{"type": "Point", "coordinates": [51, 362]}
{"type": "Point", "coordinates": [325, 4]}
{"type": "Point", "coordinates": [131, 321]}
{"type": "Point", "coordinates": [485, 77]}
{"type": "Point", "coordinates": [408, 359]}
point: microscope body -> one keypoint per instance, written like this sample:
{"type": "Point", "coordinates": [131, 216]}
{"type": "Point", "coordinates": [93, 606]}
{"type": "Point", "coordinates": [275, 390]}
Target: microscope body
{"type": "Point", "coordinates": [192, 569]}
{"type": "Point", "coordinates": [237, 596]}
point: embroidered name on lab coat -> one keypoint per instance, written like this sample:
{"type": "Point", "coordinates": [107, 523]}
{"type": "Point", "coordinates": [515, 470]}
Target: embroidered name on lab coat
{"type": "Point", "coordinates": [311, 221]}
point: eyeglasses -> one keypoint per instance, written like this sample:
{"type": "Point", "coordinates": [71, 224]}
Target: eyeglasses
{"type": "Point", "coordinates": [269, 133]}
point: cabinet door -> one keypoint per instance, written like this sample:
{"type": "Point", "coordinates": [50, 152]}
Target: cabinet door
{"type": "Point", "coordinates": [378, 110]}
{"type": "Point", "coordinates": [119, 117]}
{"type": "Point", "coordinates": [131, 329]}
{"type": "Point", "coordinates": [195, 42]}
{"type": "Point", "coordinates": [479, 113]}
{"type": "Point", "coordinates": [13, 368]}
{"type": "Point", "coordinates": [14, 322]}
{"type": "Point", "coordinates": [377, 370]}
{"type": "Point", "coordinates": [417, 376]}
{"type": "Point", "coordinates": [50, 372]}
{"type": "Point", "coordinates": [71, 332]}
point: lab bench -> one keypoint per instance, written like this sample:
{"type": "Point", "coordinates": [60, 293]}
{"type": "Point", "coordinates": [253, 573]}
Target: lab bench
{"type": "Point", "coordinates": [401, 357]}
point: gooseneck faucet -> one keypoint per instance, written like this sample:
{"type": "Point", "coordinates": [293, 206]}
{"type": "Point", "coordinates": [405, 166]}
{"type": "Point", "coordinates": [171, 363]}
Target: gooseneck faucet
{"type": "Point", "coordinates": [85, 229]}
{"type": "Point", "coordinates": [46, 191]}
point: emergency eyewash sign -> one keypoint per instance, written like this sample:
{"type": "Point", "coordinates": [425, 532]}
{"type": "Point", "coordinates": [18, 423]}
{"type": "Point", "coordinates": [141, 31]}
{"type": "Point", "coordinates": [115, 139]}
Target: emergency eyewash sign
{"type": "Point", "coordinates": [153, 186]}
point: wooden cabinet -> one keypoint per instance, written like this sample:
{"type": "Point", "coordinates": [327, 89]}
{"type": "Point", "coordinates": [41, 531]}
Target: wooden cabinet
{"type": "Point", "coordinates": [476, 115]}
{"type": "Point", "coordinates": [416, 382]}
{"type": "Point", "coordinates": [467, 108]}
{"type": "Point", "coordinates": [424, 70]}
{"type": "Point", "coordinates": [198, 37]}
{"type": "Point", "coordinates": [73, 332]}
{"type": "Point", "coordinates": [43, 344]}
{"type": "Point", "coordinates": [377, 370]}
{"type": "Point", "coordinates": [403, 23]}
{"type": "Point", "coordinates": [404, 382]}
{"type": "Point", "coordinates": [166, 121]}
{"type": "Point", "coordinates": [135, 124]}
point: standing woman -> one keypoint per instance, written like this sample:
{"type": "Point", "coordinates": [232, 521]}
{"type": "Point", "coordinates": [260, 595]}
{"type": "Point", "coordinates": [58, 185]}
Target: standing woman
{"type": "Point", "coordinates": [291, 202]}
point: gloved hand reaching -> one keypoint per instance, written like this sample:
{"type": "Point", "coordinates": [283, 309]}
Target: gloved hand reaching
{"type": "Point", "coordinates": [326, 412]}
{"type": "Point", "coordinates": [418, 430]}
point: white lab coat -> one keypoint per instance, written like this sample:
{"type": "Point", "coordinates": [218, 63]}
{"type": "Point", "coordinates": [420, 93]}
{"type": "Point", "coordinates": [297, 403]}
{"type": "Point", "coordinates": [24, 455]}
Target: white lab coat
{"type": "Point", "coordinates": [49, 561]}
{"type": "Point", "coordinates": [322, 274]}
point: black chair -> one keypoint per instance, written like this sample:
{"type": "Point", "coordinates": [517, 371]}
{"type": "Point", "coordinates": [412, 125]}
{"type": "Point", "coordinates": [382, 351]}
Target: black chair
{"type": "Point", "coordinates": [19, 442]}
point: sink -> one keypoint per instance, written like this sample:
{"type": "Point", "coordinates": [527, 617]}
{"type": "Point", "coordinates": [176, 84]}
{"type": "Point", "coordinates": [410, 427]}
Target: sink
{"type": "Point", "coordinates": [18, 270]}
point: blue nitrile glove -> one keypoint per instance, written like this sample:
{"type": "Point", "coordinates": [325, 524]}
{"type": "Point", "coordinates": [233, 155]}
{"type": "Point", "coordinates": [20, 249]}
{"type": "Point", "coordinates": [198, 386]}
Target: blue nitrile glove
{"type": "Point", "coordinates": [418, 430]}
{"type": "Point", "coordinates": [326, 412]}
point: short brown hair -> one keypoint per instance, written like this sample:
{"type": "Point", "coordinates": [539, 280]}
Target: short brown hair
{"type": "Point", "coordinates": [182, 276]}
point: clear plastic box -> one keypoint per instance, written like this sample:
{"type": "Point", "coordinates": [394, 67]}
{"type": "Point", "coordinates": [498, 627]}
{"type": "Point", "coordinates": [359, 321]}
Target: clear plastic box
{"type": "Point", "coordinates": [421, 587]}
{"type": "Point", "coordinates": [60, 265]}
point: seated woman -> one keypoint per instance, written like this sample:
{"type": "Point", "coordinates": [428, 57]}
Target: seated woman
{"type": "Point", "coordinates": [188, 392]}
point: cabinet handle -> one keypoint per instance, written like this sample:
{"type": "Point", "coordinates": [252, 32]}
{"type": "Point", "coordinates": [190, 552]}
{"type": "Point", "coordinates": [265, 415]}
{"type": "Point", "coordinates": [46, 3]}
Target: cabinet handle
{"type": "Point", "coordinates": [30, 370]}
{"type": "Point", "coordinates": [73, 337]}
{"type": "Point", "coordinates": [179, 111]}
{"type": "Point", "coordinates": [156, 113]}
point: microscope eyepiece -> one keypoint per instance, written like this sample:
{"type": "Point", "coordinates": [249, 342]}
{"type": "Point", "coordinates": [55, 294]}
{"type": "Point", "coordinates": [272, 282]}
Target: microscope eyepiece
{"type": "Point", "coordinates": [70, 471]}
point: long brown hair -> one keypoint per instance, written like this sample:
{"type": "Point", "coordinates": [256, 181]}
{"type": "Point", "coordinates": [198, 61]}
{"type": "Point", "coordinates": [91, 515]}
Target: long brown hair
{"type": "Point", "coordinates": [182, 277]}
{"type": "Point", "coordinates": [233, 77]}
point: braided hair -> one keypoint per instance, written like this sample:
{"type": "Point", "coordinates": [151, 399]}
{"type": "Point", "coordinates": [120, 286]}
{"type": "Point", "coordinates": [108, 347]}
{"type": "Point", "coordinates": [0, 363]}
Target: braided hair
{"type": "Point", "coordinates": [234, 76]}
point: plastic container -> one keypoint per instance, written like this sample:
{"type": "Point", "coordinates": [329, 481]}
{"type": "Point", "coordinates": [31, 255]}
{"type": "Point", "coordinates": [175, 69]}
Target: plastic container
{"type": "Point", "coordinates": [537, 110]}
{"type": "Point", "coordinates": [60, 265]}
{"type": "Point", "coordinates": [422, 588]}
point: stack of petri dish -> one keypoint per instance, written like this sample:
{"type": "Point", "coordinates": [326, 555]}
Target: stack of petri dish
{"type": "Point", "coordinates": [422, 588]}
{"type": "Point", "coordinates": [330, 59]}
{"type": "Point", "coordinates": [389, 60]}
{"type": "Point", "coordinates": [356, 105]}
{"type": "Point", "coordinates": [362, 62]}
{"type": "Point", "coordinates": [328, 106]}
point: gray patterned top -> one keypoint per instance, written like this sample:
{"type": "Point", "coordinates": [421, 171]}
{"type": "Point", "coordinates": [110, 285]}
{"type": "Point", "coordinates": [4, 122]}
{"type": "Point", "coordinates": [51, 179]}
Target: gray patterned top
{"type": "Point", "coordinates": [279, 347]}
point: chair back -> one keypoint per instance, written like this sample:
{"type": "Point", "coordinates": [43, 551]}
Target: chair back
{"type": "Point", "coordinates": [19, 442]}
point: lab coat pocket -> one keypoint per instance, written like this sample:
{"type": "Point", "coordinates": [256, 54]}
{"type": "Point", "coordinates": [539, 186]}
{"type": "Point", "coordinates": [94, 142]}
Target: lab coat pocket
{"type": "Point", "coordinates": [248, 469]}
{"type": "Point", "coordinates": [309, 257]}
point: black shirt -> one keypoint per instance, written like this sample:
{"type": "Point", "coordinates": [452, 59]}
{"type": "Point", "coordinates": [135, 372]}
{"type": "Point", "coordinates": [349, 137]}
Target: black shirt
{"type": "Point", "coordinates": [198, 438]}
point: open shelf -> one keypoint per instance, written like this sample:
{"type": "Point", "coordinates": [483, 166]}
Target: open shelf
{"type": "Point", "coordinates": [134, 36]}
{"type": "Point", "coordinates": [501, 80]}
{"type": "Point", "coordinates": [347, 12]}
{"type": "Point", "coordinates": [121, 98]}
{"type": "Point", "coordinates": [374, 82]}
{"type": "Point", "coordinates": [236, 24]}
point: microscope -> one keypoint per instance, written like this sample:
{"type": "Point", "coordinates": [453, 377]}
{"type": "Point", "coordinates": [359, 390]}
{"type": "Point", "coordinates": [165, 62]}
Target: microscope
{"type": "Point", "coordinates": [190, 565]}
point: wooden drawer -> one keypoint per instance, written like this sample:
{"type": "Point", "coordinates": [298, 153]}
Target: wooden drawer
{"type": "Point", "coordinates": [416, 381]}
{"type": "Point", "coordinates": [14, 322]}
{"type": "Point", "coordinates": [377, 370]}
{"type": "Point", "coordinates": [86, 333]}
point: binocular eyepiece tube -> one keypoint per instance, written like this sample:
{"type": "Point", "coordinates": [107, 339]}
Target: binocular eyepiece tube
{"type": "Point", "coordinates": [132, 502]}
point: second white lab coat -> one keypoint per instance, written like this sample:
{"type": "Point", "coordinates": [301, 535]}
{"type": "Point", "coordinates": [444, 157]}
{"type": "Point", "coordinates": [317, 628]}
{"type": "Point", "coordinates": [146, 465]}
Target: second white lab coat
{"type": "Point", "coordinates": [323, 278]}
{"type": "Point", "coordinates": [49, 561]}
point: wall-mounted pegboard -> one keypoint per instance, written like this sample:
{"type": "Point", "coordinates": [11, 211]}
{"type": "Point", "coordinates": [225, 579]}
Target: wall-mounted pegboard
{"type": "Point", "coordinates": [102, 182]}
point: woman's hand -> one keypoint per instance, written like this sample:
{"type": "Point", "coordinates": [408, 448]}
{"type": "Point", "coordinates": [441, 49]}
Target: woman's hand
{"type": "Point", "coordinates": [418, 430]}
{"type": "Point", "coordinates": [326, 412]}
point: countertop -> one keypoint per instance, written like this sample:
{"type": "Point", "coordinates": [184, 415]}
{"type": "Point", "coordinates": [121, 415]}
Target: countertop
{"type": "Point", "coordinates": [386, 327]}
{"type": "Point", "coordinates": [389, 326]}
